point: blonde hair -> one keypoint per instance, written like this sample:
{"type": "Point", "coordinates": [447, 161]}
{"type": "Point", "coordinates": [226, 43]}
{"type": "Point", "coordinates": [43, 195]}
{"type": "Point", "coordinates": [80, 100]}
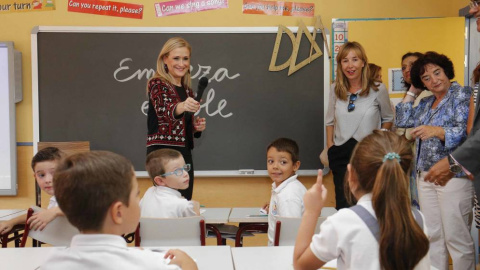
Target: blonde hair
{"type": "Point", "coordinates": [402, 242]}
{"type": "Point", "coordinates": [341, 82]}
{"type": "Point", "coordinates": [161, 72]}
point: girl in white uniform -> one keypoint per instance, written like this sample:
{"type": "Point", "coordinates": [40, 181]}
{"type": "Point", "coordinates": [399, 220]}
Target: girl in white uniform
{"type": "Point", "coordinates": [378, 179]}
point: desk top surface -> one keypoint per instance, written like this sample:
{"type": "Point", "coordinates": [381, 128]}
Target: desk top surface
{"type": "Point", "coordinates": [7, 214]}
{"type": "Point", "coordinates": [215, 215]}
{"type": "Point", "coordinates": [251, 215]}
{"type": "Point", "coordinates": [207, 257]}
{"type": "Point", "coordinates": [259, 258]}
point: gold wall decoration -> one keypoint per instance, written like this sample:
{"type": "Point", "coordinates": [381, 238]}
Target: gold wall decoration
{"type": "Point", "coordinates": [292, 60]}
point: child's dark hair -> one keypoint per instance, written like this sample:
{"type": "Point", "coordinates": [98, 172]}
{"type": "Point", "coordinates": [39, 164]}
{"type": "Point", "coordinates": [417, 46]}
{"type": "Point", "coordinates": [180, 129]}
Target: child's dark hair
{"type": "Point", "coordinates": [402, 242]}
{"type": "Point", "coordinates": [46, 154]}
{"type": "Point", "coordinates": [87, 184]}
{"type": "Point", "coordinates": [157, 159]}
{"type": "Point", "coordinates": [286, 145]}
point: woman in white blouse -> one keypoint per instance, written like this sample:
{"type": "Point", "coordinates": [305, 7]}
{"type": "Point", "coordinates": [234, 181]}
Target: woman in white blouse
{"type": "Point", "coordinates": [357, 105]}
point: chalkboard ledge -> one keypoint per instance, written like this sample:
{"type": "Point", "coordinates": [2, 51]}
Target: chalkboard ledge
{"type": "Point", "coordinates": [238, 173]}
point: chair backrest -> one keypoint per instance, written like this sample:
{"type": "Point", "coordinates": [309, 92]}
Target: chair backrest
{"type": "Point", "coordinates": [59, 232]}
{"type": "Point", "coordinates": [286, 230]}
{"type": "Point", "coordinates": [328, 211]}
{"type": "Point", "coordinates": [184, 231]}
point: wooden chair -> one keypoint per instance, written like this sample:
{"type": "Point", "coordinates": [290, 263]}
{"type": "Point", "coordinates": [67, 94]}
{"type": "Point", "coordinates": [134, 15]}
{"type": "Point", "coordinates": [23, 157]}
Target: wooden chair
{"type": "Point", "coordinates": [59, 232]}
{"type": "Point", "coordinates": [185, 231]}
{"type": "Point", "coordinates": [286, 230]}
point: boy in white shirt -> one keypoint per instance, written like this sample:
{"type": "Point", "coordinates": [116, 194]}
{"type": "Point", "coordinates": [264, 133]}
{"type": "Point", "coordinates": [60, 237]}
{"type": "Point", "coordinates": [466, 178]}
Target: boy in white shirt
{"type": "Point", "coordinates": [99, 194]}
{"type": "Point", "coordinates": [169, 173]}
{"type": "Point", "coordinates": [44, 164]}
{"type": "Point", "coordinates": [287, 191]}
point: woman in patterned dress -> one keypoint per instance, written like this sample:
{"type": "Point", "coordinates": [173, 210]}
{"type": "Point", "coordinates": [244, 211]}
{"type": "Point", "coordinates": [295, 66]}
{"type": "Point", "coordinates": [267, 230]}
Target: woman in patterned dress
{"type": "Point", "coordinates": [440, 123]}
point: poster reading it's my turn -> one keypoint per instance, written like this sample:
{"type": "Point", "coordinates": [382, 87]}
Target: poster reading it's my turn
{"type": "Point", "coordinates": [11, 6]}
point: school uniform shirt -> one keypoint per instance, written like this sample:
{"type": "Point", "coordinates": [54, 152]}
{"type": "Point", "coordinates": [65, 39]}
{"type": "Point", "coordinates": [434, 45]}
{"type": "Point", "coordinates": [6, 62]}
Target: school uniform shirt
{"type": "Point", "coordinates": [345, 237]}
{"type": "Point", "coordinates": [52, 203]}
{"type": "Point", "coordinates": [165, 202]}
{"type": "Point", "coordinates": [104, 251]}
{"type": "Point", "coordinates": [286, 201]}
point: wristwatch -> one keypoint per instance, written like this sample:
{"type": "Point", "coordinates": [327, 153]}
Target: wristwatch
{"type": "Point", "coordinates": [454, 166]}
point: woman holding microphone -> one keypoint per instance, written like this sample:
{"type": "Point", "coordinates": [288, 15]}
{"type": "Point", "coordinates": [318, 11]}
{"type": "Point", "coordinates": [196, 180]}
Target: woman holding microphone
{"type": "Point", "coordinates": [171, 122]}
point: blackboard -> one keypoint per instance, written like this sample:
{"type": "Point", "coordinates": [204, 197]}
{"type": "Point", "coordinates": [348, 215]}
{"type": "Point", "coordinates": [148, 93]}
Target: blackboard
{"type": "Point", "coordinates": [91, 87]}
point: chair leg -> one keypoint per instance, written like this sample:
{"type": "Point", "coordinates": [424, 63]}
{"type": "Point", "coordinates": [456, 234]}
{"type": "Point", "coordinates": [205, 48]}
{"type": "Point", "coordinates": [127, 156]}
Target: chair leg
{"type": "Point", "coordinates": [217, 233]}
{"type": "Point", "coordinates": [258, 227]}
{"type": "Point", "coordinates": [27, 229]}
{"type": "Point", "coordinates": [137, 236]}
{"type": "Point", "coordinates": [202, 232]}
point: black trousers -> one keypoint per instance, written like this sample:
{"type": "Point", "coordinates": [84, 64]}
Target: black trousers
{"type": "Point", "coordinates": [187, 156]}
{"type": "Point", "coordinates": [338, 158]}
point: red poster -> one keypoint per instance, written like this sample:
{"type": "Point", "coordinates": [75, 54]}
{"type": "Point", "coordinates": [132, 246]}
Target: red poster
{"type": "Point", "coordinates": [278, 8]}
{"type": "Point", "coordinates": [107, 8]}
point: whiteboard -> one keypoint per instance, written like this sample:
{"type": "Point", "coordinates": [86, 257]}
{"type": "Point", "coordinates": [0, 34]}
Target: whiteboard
{"type": "Point", "coordinates": [8, 151]}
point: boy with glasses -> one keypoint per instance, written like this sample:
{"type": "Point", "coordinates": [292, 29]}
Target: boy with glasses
{"type": "Point", "coordinates": [169, 173]}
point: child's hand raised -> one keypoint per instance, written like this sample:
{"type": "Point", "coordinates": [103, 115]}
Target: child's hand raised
{"type": "Point", "coordinates": [315, 197]}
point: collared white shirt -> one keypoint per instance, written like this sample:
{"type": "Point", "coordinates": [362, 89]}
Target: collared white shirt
{"type": "Point", "coordinates": [286, 201]}
{"type": "Point", "coordinates": [104, 251]}
{"type": "Point", "coordinates": [52, 203]}
{"type": "Point", "coordinates": [165, 202]}
{"type": "Point", "coordinates": [345, 236]}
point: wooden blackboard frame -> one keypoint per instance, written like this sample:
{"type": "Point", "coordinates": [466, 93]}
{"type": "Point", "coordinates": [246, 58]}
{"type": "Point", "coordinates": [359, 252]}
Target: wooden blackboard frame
{"type": "Point", "coordinates": [223, 173]}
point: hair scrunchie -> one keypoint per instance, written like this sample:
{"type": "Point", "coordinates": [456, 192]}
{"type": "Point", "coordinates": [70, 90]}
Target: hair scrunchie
{"type": "Point", "coordinates": [391, 156]}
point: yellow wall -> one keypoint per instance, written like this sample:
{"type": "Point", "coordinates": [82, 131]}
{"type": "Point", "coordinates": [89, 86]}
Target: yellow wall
{"type": "Point", "coordinates": [210, 191]}
{"type": "Point", "coordinates": [392, 39]}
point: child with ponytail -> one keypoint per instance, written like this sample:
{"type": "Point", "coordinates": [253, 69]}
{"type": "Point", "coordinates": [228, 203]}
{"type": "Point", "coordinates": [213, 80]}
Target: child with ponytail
{"type": "Point", "coordinates": [395, 237]}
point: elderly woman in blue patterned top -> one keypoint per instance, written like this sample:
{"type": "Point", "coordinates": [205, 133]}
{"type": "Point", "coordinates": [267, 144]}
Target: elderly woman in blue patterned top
{"type": "Point", "coordinates": [440, 122]}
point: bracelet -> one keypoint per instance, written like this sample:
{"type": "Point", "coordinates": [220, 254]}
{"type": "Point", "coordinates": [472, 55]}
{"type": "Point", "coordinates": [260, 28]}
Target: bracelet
{"type": "Point", "coordinates": [411, 94]}
{"type": "Point", "coordinates": [385, 129]}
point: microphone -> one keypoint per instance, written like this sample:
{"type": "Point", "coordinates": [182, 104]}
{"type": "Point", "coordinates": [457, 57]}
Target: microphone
{"type": "Point", "coordinates": [202, 84]}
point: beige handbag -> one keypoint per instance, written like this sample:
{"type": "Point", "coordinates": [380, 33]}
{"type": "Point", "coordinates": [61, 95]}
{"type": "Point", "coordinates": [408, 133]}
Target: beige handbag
{"type": "Point", "coordinates": [324, 157]}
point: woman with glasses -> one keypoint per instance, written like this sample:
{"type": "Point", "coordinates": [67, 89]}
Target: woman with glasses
{"type": "Point", "coordinates": [171, 108]}
{"type": "Point", "coordinates": [357, 105]}
{"type": "Point", "coordinates": [440, 122]}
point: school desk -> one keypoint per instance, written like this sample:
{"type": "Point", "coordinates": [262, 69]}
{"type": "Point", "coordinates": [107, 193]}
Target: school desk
{"type": "Point", "coordinates": [7, 214]}
{"type": "Point", "coordinates": [260, 258]}
{"type": "Point", "coordinates": [206, 257]}
{"type": "Point", "coordinates": [249, 220]}
{"type": "Point", "coordinates": [214, 217]}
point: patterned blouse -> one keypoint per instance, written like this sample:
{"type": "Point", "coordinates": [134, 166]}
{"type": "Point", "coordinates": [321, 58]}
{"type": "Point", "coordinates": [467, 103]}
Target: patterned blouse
{"type": "Point", "coordinates": [451, 114]}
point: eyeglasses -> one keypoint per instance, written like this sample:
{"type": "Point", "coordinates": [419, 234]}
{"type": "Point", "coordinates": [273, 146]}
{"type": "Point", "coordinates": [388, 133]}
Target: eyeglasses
{"type": "Point", "coordinates": [351, 105]}
{"type": "Point", "coordinates": [474, 3]}
{"type": "Point", "coordinates": [179, 171]}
